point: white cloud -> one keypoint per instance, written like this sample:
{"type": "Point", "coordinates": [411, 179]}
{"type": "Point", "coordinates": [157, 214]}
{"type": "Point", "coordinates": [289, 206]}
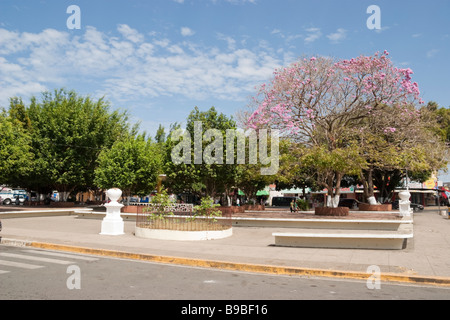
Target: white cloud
{"type": "Point", "coordinates": [313, 35]}
{"type": "Point", "coordinates": [130, 34]}
{"type": "Point", "coordinates": [337, 36]}
{"type": "Point", "coordinates": [129, 67]}
{"type": "Point", "coordinates": [432, 53]}
{"type": "Point", "coordinates": [230, 41]}
{"type": "Point", "coordinates": [185, 31]}
{"type": "Point", "coordinates": [384, 28]}
{"type": "Point", "coordinates": [276, 31]}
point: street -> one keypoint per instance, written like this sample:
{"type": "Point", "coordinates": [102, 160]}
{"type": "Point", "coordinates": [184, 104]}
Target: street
{"type": "Point", "coordinates": [27, 273]}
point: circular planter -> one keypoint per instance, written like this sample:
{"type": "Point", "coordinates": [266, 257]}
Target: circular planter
{"type": "Point", "coordinates": [326, 211]}
{"type": "Point", "coordinates": [162, 234]}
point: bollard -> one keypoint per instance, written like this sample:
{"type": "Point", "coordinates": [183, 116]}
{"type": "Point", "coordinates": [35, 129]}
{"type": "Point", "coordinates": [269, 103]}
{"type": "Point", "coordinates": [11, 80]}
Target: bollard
{"type": "Point", "coordinates": [404, 203]}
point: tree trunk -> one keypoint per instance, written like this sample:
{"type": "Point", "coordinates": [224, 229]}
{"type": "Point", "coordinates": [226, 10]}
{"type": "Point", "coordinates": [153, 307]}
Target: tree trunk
{"type": "Point", "coordinates": [370, 195]}
{"type": "Point", "coordinates": [334, 193]}
{"type": "Point", "coordinates": [367, 181]}
{"type": "Point", "coordinates": [333, 201]}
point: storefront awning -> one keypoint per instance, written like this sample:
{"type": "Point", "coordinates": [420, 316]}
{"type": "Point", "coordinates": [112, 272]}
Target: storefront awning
{"type": "Point", "coordinates": [262, 193]}
{"type": "Point", "coordinates": [259, 193]}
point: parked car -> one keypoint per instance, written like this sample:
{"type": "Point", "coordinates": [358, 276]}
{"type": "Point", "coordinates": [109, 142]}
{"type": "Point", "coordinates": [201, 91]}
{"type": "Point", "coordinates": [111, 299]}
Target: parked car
{"type": "Point", "coordinates": [415, 206]}
{"type": "Point", "coordinates": [349, 203]}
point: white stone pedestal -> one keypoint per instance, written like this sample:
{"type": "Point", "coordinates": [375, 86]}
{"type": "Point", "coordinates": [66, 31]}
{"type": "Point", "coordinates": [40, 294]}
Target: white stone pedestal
{"type": "Point", "coordinates": [404, 203]}
{"type": "Point", "coordinates": [113, 224]}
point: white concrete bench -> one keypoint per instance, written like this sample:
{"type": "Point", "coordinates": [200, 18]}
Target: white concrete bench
{"type": "Point", "coordinates": [348, 224]}
{"type": "Point", "coordinates": [344, 240]}
{"type": "Point", "coordinates": [47, 212]}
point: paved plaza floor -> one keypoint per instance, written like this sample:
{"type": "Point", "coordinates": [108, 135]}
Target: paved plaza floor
{"type": "Point", "coordinates": [426, 255]}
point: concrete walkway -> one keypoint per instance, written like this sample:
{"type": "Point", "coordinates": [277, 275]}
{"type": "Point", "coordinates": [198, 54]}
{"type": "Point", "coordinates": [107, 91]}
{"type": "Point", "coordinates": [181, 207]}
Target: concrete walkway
{"type": "Point", "coordinates": [426, 260]}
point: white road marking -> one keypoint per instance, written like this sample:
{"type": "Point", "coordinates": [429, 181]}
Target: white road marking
{"type": "Point", "coordinates": [61, 255]}
{"type": "Point", "coordinates": [19, 264]}
{"type": "Point", "coordinates": [26, 257]}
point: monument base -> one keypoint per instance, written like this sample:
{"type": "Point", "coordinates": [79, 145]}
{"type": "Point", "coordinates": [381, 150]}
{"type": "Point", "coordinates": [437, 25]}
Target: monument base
{"type": "Point", "coordinates": [112, 227]}
{"type": "Point", "coordinates": [112, 224]}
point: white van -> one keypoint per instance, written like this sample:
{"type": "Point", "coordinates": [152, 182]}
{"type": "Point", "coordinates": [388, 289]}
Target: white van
{"type": "Point", "coordinates": [7, 196]}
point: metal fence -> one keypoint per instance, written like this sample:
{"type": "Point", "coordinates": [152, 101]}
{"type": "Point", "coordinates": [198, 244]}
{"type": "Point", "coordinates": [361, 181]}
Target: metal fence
{"type": "Point", "coordinates": [181, 217]}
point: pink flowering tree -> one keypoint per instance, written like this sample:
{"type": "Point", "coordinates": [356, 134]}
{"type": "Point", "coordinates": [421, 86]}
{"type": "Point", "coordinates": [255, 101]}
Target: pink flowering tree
{"type": "Point", "coordinates": [318, 101]}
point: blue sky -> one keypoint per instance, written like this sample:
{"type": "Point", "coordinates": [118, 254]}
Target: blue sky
{"type": "Point", "coordinates": [161, 58]}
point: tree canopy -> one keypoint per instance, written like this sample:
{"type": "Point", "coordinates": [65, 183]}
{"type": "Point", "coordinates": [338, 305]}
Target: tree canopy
{"type": "Point", "coordinates": [352, 116]}
{"type": "Point", "coordinates": [66, 133]}
{"type": "Point", "coordinates": [132, 164]}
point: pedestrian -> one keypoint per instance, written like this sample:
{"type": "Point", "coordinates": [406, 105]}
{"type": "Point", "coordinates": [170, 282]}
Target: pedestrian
{"type": "Point", "coordinates": [292, 205]}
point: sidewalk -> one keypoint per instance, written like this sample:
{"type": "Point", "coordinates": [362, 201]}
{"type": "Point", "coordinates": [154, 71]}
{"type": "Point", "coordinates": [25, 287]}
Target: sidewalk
{"type": "Point", "coordinates": [425, 260]}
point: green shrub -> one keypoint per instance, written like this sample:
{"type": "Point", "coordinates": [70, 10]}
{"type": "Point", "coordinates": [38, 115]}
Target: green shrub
{"type": "Point", "coordinates": [302, 205]}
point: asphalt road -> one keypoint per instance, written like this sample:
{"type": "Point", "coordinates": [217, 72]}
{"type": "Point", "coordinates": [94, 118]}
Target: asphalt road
{"type": "Point", "coordinates": [39, 274]}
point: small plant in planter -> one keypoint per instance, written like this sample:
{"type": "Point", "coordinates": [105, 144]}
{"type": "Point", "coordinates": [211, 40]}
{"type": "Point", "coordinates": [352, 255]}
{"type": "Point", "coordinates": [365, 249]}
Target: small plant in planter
{"type": "Point", "coordinates": [159, 203]}
{"type": "Point", "coordinates": [207, 208]}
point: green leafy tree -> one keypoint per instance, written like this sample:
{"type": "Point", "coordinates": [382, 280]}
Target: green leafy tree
{"type": "Point", "coordinates": [217, 177]}
{"type": "Point", "coordinates": [293, 173]}
{"type": "Point", "coordinates": [181, 177]}
{"type": "Point", "coordinates": [15, 151]}
{"type": "Point", "coordinates": [250, 180]}
{"type": "Point", "coordinates": [394, 141]}
{"type": "Point", "coordinates": [442, 119]}
{"type": "Point", "coordinates": [160, 136]}
{"type": "Point", "coordinates": [68, 132]}
{"type": "Point", "coordinates": [131, 164]}
{"type": "Point", "coordinates": [330, 167]}
{"type": "Point", "coordinates": [207, 175]}
{"type": "Point", "coordinates": [17, 111]}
